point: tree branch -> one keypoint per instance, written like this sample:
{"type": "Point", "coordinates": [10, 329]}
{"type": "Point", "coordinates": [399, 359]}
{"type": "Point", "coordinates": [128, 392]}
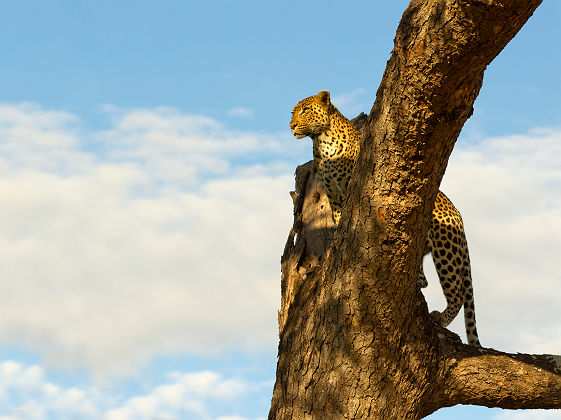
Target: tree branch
{"type": "Point", "coordinates": [494, 379]}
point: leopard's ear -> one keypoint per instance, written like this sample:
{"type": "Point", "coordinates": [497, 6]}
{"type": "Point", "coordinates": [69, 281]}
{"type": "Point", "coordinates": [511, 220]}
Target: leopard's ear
{"type": "Point", "coordinates": [324, 97]}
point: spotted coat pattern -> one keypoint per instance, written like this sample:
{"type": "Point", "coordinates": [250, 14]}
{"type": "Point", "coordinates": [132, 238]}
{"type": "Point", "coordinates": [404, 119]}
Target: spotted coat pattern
{"type": "Point", "coordinates": [336, 143]}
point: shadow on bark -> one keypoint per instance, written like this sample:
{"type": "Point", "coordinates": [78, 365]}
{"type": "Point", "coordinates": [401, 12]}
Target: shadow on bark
{"type": "Point", "coordinates": [354, 346]}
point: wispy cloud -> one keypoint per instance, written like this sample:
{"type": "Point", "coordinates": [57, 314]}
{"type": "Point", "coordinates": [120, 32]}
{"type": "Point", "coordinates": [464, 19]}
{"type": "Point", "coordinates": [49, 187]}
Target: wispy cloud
{"type": "Point", "coordinates": [180, 148]}
{"type": "Point", "coordinates": [352, 103]}
{"type": "Point", "coordinates": [241, 112]}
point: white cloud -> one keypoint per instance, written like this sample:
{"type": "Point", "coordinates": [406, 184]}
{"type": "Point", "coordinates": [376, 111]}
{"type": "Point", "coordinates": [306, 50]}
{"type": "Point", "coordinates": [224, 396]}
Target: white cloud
{"type": "Point", "coordinates": [26, 394]}
{"type": "Point", "coordinates": [508, 190]}
{"type": "Point", "coordinates": [111, 252]}
{"type": "Point", "coordinates": [187, 393]}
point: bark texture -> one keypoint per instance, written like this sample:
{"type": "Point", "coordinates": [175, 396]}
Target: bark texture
{"type": "Point", "coordinates": [356, 340]}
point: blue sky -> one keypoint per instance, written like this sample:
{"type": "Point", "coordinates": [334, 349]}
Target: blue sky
{"type": "Point", "coordinates": [145, 164]}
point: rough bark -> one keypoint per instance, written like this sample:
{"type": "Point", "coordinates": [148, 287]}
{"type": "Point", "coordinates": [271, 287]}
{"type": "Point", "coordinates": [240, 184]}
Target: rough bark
{"type": "Point", "coordinates": [356, 340]}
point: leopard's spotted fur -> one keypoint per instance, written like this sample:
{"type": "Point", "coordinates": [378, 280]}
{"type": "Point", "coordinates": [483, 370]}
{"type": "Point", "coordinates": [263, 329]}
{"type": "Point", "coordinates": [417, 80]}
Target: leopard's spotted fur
{"type": "Point", "coordinates": [336, 143]}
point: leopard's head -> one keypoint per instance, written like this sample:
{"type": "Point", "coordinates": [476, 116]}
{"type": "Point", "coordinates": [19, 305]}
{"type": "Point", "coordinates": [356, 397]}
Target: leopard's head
{"type": "Point", "coordinates": [311, 115]}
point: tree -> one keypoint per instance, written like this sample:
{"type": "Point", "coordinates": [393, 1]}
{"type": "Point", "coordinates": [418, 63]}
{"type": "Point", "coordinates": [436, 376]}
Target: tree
{"type": "Point", "coordinates": [356, 339]}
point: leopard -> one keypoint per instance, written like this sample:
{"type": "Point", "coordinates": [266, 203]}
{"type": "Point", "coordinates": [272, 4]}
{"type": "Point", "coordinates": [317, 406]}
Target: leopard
{"type": "Point", "coordinates": [336, 146]}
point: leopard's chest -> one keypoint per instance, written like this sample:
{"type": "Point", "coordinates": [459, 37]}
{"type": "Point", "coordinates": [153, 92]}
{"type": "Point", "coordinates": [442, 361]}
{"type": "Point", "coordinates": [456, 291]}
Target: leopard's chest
{"type": "Point", "coordinates": [334, 162]}
{"type": "Point", "coordinates": [329, 146]}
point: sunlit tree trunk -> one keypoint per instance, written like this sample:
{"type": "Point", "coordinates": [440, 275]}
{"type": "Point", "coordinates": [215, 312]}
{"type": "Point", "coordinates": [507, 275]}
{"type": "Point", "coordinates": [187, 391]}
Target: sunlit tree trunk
{"type": "Point", "coordinates": [356, 339]}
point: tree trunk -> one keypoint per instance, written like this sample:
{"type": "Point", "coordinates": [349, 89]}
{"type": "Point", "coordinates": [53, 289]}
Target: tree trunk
{"type": "Point", "coordinates": [356, 339]}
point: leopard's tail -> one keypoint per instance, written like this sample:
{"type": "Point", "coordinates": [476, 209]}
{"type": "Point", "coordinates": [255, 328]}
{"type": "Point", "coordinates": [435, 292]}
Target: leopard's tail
{"type": "Point", "coordinates": [469, 306]}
